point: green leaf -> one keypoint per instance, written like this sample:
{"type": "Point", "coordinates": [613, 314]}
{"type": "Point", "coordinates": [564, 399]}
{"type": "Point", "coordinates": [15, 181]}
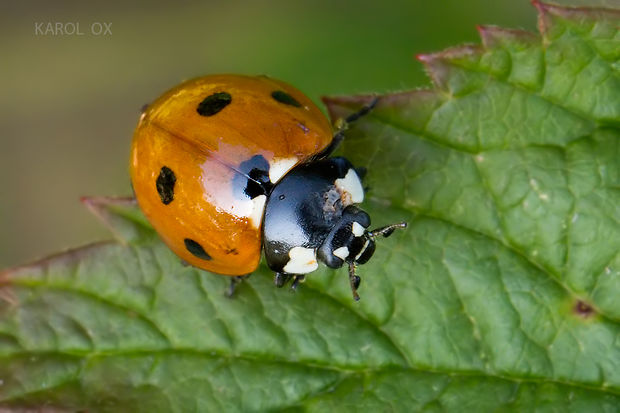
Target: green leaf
{"type": "Point", "coordinates": [501, 294]}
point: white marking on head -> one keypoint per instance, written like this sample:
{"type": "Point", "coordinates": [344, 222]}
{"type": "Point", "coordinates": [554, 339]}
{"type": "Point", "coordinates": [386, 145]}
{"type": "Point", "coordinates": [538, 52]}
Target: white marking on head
{"type": "Point", "coordinates": [279, 167]}
{"type": "Point", "coordinates": [258, 206]}
{"type": "Point", "coordinates": [342, 253]}
{"type": "Point", "coordinates": [357, 229]}
{"type": "Point", "coordinates": [303, 260]}
{"type": "Point", "coordinates": [351, 187]}
{"type": "Point", "coordinates": [357, 257]}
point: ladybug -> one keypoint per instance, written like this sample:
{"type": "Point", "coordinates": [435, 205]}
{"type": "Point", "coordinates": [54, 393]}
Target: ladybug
{"type": "Point", "coordinates": [225, 166]}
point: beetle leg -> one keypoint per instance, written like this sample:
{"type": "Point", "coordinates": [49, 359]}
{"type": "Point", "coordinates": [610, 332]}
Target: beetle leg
{"type": "Point", "coordinates": [354, 280]}
{"type": "Point", "coordinates": [280, 279]}
{"type": "Point", "coordinates": [363, 111]}
{"type": "Point", "coordinates": [298, 279]}
{"type": "Point", "coordinates": [234, 281]}
{"type": "Point", "coordinates": [341, 127]}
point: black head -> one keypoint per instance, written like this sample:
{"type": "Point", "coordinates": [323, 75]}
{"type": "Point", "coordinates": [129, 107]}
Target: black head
{"type": "Point", "coordinates": [348, 241]}
{"type": "Point", "coordinates": [311, 215]}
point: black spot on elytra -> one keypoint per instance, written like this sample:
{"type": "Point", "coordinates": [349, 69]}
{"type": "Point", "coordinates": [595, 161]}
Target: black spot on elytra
{"type": "Point", "coordinates": [165, 185]}
{"type": "Point", "coordinates": [196, 249]}
{"type": "Point", "coordinates": [254, 178]}
{"type": "Point", "coordinates": [283, 97]}
{"type": "Point", "coordinates": [259, 184]}
{"type": "Point", "coordinates": [213, 104]}
{"type": "Point", "coordinates": [583, 309]}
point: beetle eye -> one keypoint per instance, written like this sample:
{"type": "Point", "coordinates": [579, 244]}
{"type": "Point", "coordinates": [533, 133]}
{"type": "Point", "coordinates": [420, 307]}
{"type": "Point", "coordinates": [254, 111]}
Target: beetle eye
{"type": "Point", "coordinates": [366, 253]}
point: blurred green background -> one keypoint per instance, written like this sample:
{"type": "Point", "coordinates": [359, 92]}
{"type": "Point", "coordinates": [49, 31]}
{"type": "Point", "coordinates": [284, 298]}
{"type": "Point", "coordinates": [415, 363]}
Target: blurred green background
{"type": "Point", "coordinates": [69, 103]}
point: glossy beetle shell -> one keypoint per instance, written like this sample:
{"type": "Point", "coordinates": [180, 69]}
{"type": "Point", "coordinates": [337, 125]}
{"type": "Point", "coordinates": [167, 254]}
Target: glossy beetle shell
{"type": "Point", "coordinates": [198, 152]}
